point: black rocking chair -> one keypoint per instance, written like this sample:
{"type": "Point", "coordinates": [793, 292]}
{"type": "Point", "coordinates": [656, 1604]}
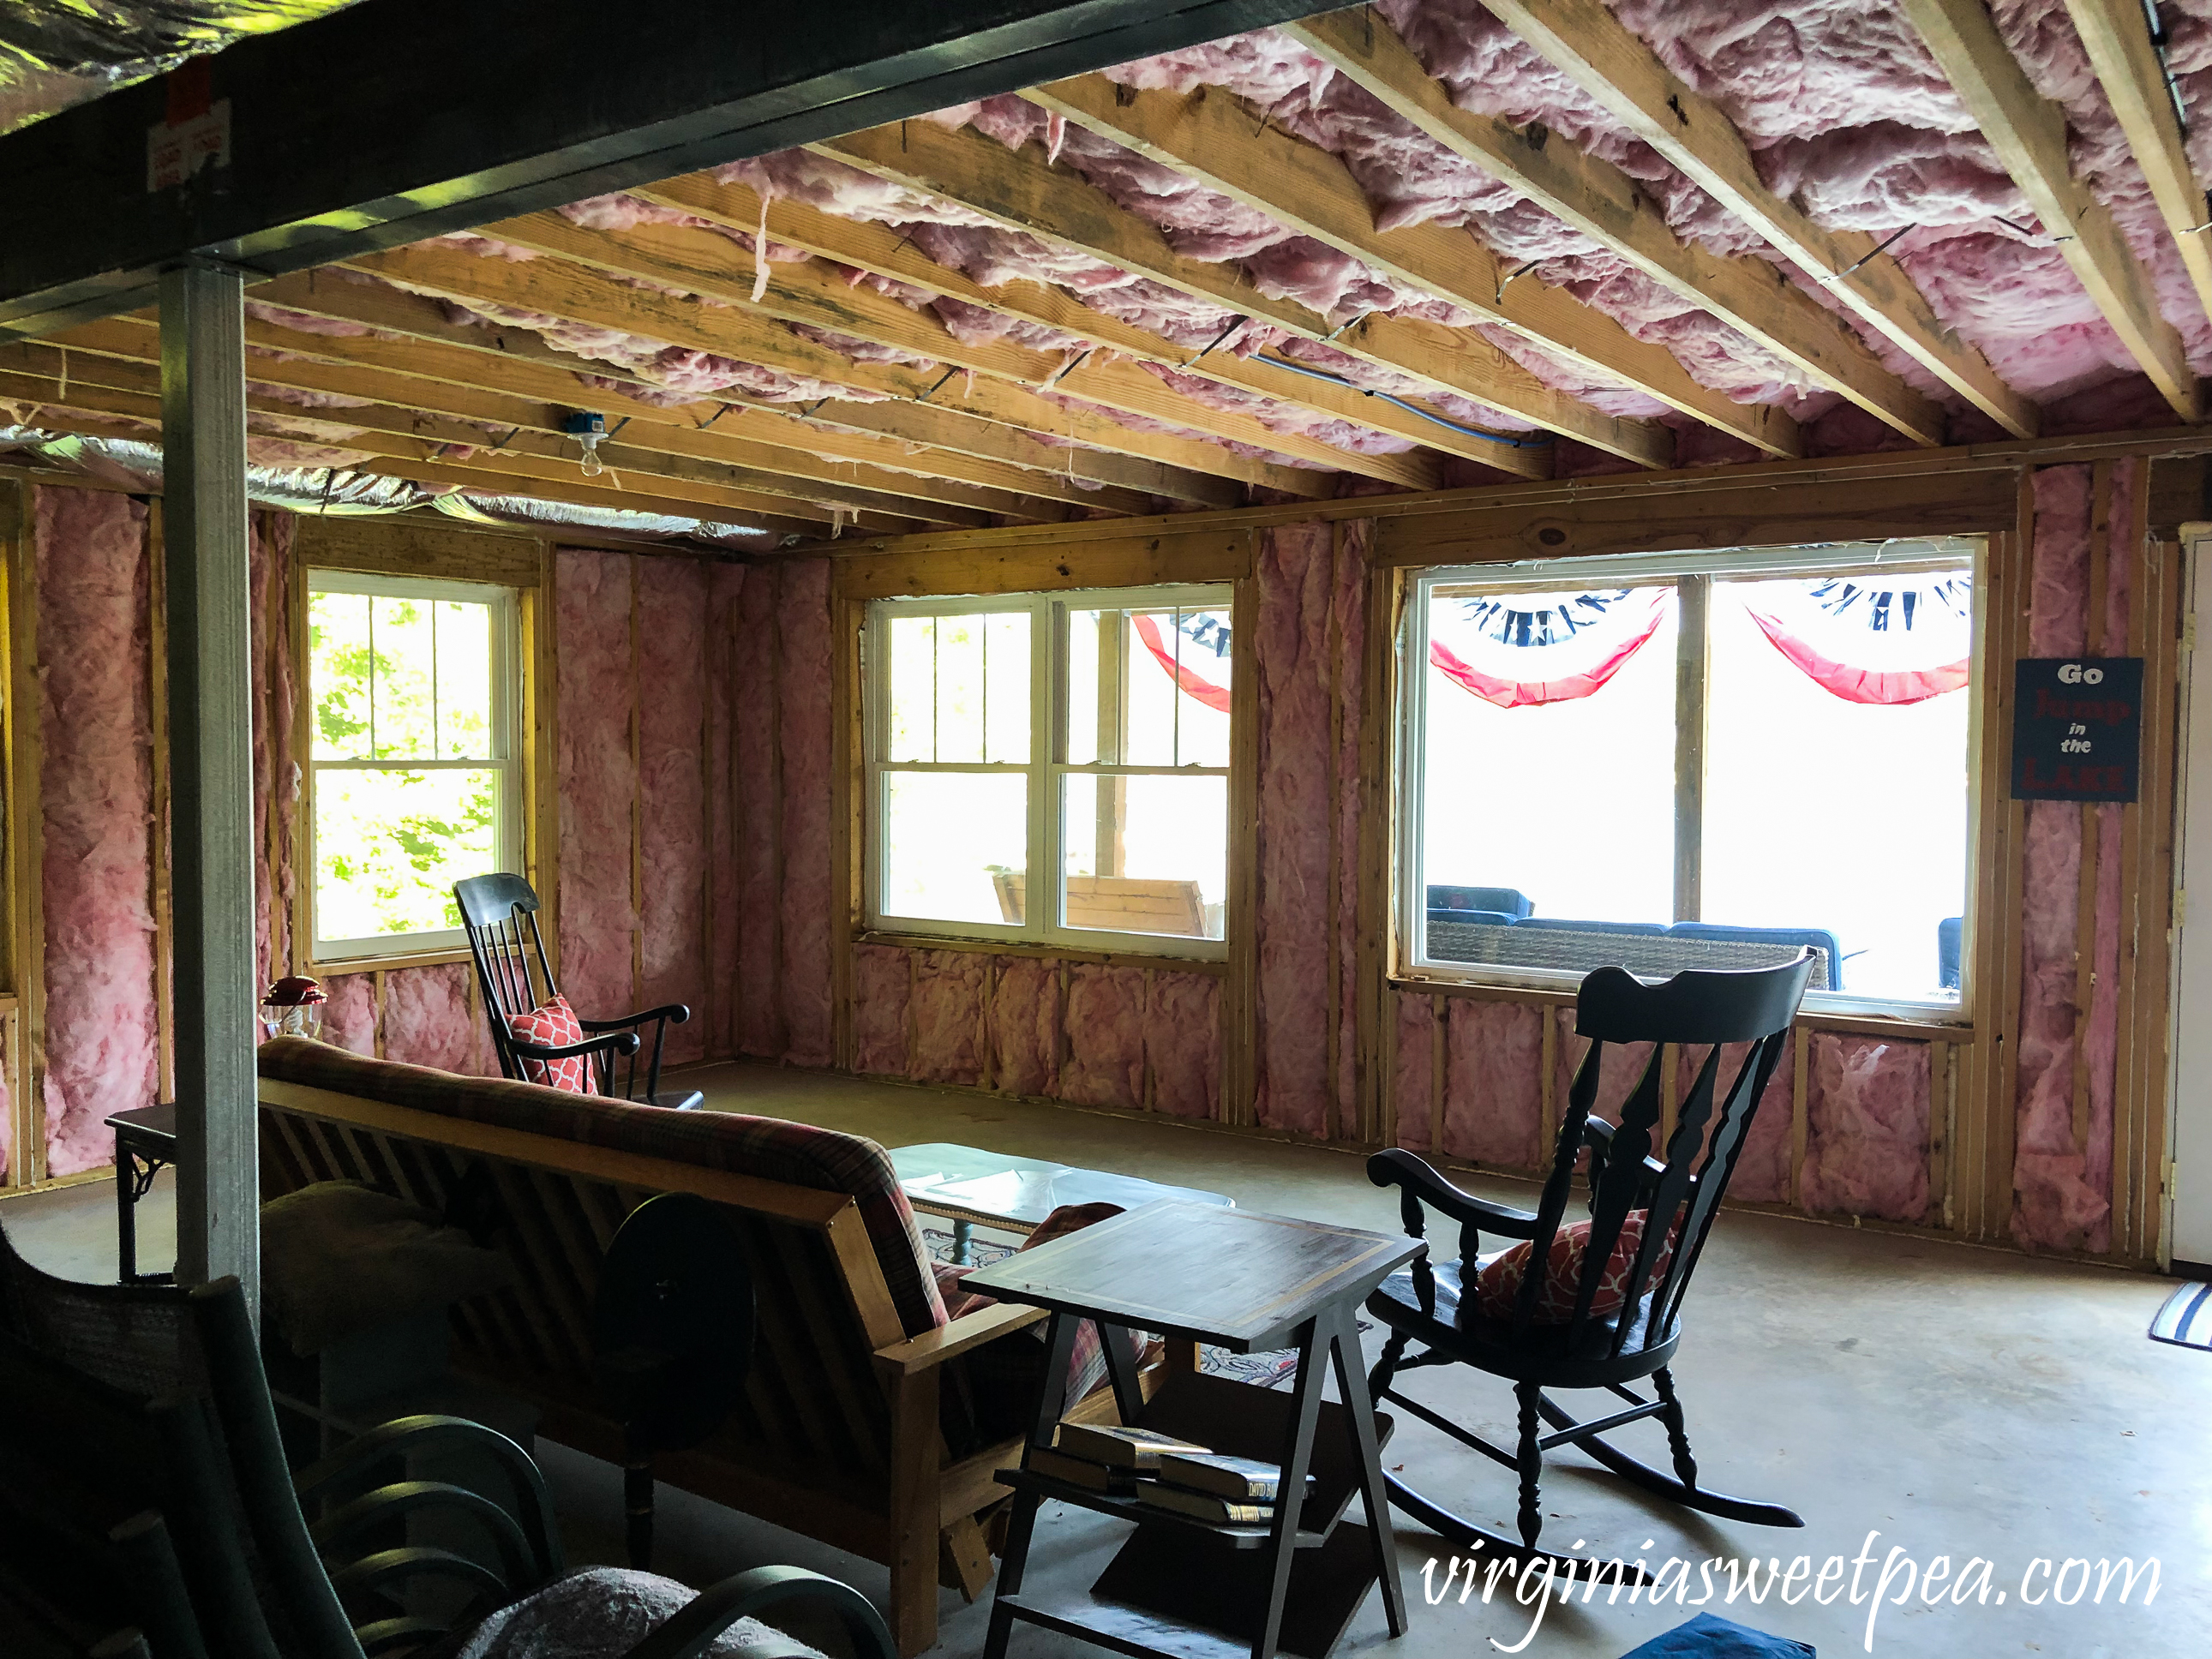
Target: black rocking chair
{"type": "Point", "coordinates": [1611, 1335]}
{"type": "Point", "coordinates": [501, 914]}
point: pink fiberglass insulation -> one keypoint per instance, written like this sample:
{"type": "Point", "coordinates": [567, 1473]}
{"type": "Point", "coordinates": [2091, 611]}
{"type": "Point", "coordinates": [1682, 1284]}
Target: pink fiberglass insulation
{"type": "Point", "coordinates": [1413, 1071]}
{"type": "Point", "coordinates": [596, 694]}
{"type": "Point", "coordinates": [429, 1020]}
{"type": "Point", "coordinates": [1105, 1036]}
{"type": "Point", "coordinates": [671, 621]}
{"type": "Point", "coordinates": [1025, 1026]}
{"type": "Point", "coordinates": [1762, 1167]}
{"type": "Point", "coordinates": [1183, 1044]}
{"type": "Point", "coordinates": [1842, 106]}
{"type": "Point", "coordinates": [805, 656]}
{"type": "Point", "coordinates": [725, 585]}
{"type": "Point", "coordinates": [758, 811]}
{"type": "Point", "coordinates": [96, 792]}
{"type": "Point", "coordinates": [945, 1012]}
{"type": "Point", "coordinates": [275, 769]}
{"type": "Point", "coordinates": [1494, 1083]}
{"type": "Point", "coordinates": [1866, 1126]}
{"type": "Point", "coordinates": [350, 1016]}
{"type": "Point", "coordinates": [1291, 654]}
{"type": "Point", "coordinates": [2056, 1205]}
{"type": "Point", "coordinates": [883, 976]}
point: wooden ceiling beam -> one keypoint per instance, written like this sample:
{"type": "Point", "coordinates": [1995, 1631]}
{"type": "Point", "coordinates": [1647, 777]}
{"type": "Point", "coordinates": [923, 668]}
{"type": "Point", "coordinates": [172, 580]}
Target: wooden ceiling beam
{"type": "Point", "coordinates": [796, 455]}
{"type": "Point", "coordinates": [1593, 48]}
{"type": "Point", "coordinates": [700, 262]}
{"type": "Point", "coordinates": [1210, 137]}
{"type": "Point", "coordinates": [1021, 192]}
{"type": "Point", "coordinates": [2028, 133]}
{"type": "Point", "coordinates": [334, 296]}
{"type": "Point", "coordinates": [670, 472]}
{"type": "Point", "coordinates": [967, 447]}
{"type": "Point", "coordinates": [56, 418]}
{"type": "Point", "coordinates": [2117, 35]}
{"type": "Point", "coordinates": [1751, 296]}
{"type": "Point", "coordinates": [877, 249]}
{"type": "Point", "coordinates": [787, 515]}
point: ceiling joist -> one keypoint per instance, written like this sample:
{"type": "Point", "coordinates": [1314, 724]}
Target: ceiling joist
{"type": "Point", "coordinates": [754, 438]}
{"type": "Point", "coordinates": [1592, 47]}
{"type": "Point", "coordinates": [1211, 138]}
{"type": "Point", "coordinates": [2117, 35]}
{"type": "Point", "coordinates": [332, 296]}
{"type": "Point", "coordinates": [2028, 133]}
{"type": "Point", "coordinates": [880, 251]}
{"type": "Point", "coordinates": [700, 262]}
{"type": "Point", "coordinates": [1021, 192]}
{"type": "Point", "coordinates": [1597, 199]}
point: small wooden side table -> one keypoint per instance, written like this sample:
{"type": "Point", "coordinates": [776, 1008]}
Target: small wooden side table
{"type": "Point", "coordinates": [1250, 1283]}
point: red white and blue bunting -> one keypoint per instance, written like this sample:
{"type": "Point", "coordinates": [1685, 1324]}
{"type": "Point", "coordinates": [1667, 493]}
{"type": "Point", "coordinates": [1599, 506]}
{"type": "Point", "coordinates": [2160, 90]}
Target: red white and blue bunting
{"type": "Point", "coordinates": [1889, 640]}
{"type": "Point", "coordinates": [1202, 641]}
{"type": "Point", "coordinates": [1522, 650]}
{"type": "Point", "coordinates": [1885, 639]}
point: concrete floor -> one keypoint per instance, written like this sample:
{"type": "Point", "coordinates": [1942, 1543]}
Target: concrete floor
{"type": "Point", "coordinates": [1956, 1402]}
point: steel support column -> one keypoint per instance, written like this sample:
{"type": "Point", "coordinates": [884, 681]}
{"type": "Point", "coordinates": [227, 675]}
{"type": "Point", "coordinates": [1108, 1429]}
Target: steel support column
{"type": "Point", "coordinates": [210, 773]}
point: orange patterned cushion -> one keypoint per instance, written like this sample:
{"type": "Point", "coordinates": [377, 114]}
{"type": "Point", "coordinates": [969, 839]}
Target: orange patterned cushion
{"type": "Point", "coordinates": [555, 1026]}
{"type": "Point", "coordinates": [1498, 1285]}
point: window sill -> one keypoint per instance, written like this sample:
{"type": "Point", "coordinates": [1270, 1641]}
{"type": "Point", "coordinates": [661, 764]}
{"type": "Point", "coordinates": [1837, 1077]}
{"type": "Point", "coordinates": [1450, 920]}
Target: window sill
{"type": "Point", "coordinates": [1045, 948]}
{"type": "Point", "coordinates": [1913, 1025]}
{"type": "Point", "coordinates": [344, 965]}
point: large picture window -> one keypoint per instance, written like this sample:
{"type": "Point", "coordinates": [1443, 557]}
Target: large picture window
{"type": "Point", "coordinates": [414, 778]}
{"type": "Point", "coordinates": [1051, 767]}
{"type": "Point", "coordinates": [1696, 761]}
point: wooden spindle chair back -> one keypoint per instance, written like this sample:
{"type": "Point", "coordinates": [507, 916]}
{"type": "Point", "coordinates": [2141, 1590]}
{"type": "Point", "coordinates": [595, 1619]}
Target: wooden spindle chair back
{"type": "Point", "coordinates": [1679, 1191]}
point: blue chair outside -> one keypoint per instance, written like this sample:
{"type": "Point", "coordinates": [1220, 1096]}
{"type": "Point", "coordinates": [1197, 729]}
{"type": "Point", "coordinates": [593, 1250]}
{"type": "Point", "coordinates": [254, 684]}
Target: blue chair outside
{"type": "Point", "coordinates": [1509, 901]}
{"type": "Point", "coordinates": [1948, 934]}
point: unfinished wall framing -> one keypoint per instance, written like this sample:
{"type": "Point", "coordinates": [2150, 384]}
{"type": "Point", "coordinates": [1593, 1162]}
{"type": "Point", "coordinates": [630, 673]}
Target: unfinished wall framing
{"type": "Point", "coordinates": [695, 823]}
{"type": "Point", "coordinates": [2038, 1121]}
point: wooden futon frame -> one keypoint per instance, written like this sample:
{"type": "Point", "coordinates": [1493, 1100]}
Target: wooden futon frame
{"type": "Point", "coordinates": [838, 1434]}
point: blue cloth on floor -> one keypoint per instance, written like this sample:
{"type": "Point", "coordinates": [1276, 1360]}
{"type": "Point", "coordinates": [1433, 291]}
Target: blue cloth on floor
{"type": "Point", "coordinates": [1709, 1638]}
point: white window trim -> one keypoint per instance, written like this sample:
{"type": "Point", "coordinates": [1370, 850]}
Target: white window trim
{"type": "Point", "coordinates": [1611, 570]}
{"type": "Point", "coordinates": [1046, 768]}
{"type": "Point", "coordinates": [507, 759]}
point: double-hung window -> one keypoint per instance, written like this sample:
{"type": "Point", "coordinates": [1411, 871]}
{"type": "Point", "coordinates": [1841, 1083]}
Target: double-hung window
{"type": "Point", "coordinates": [1051, 768]}
{"type": "Point", "coordinates": [415, 781]}
{"type": "Point", "coordinates": [1695, 760]}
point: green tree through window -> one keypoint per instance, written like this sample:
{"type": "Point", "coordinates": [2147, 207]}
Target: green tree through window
{"type": "Point", "coordinates": [411, 770]}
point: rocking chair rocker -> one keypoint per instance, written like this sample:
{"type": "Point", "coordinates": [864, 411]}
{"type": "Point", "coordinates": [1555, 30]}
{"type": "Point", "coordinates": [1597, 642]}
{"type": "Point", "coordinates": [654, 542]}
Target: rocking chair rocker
{"type": "Point", "coordinates": [500, 915]}
{"type": "Point", "coordinates": [1605, 1311]}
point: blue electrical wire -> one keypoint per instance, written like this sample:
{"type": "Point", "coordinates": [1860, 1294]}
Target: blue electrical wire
{"type": "Point", "coordinates": [1312, 373]}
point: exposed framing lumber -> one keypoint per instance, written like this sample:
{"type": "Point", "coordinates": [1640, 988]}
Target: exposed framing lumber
{"type": "Point", "coordinates": [2028, 133]}
{"type": "Point", "coordinates": [796, 483]}
{"type": "Point", "coordinates": [2117, 35]}
{"type": "Point", "coordinates": [330, 296]}
{"type": "Point", "coordinates": [1214, 139]}
{"type": "Point", "coordinates": [1603, 202]}
{"type": "Point", "coordinates": [1022, 193]}
{"type": "Point", "coordinates": [26, 842]}
{"type": "Point", "coordinates": [2183, 447]}
{"type": "Point", "coordinates": [93, 411]}
{"type": "Point", "coordinates": [1586, 42]}
{"type": "Point", "coordinates": [702, 263]}
{"type": "Point", "coordinates": [877, 249]}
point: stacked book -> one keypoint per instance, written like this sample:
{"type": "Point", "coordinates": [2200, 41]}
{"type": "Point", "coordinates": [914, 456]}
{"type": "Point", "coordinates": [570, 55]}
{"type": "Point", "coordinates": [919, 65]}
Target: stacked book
{"type": "Point", "coordinates": [1163, 1472]}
